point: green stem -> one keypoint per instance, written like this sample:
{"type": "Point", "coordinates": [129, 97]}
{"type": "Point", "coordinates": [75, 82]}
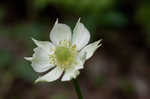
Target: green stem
{"type": "Point", "coordinates": [77, 88]}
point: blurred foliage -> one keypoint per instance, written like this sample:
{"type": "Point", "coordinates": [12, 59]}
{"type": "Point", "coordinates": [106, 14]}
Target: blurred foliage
{"type": "Point", "coordinates": [24, 71]}
{"type": "Point", "coordinates": [59, 96]}
{"type": "Point", "coordinates": [100, 81]}
{"type": "Point", "coordinates": [78, 6]}
{"type": "Point", "coordinates": [2, 13]}
{"type": "Point", "coordinates": [143, 15]}
{"type": "Point", "coordinates": [6, 58]}
{"type": "Point", "coordinates": [126, 86]}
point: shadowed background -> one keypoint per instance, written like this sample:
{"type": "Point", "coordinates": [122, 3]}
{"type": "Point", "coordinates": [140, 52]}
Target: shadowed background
{"type": "Point", "coordinates": [120, 68]}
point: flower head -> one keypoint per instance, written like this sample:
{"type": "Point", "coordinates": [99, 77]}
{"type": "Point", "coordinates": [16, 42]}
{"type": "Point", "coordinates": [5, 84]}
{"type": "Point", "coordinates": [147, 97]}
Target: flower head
{"type": "Point", "coordinates": [66, 52]}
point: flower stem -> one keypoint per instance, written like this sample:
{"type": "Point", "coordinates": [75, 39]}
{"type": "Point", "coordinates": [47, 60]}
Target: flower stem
{"type": "Point", "coordinates": [77, 88]}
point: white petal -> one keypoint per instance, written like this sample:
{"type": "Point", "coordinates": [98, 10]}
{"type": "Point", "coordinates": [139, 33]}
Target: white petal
{"type": "Point", "coordinates": [60, 32]}
{"type": "Point", "coordinates": [28, 58]}
{"type": "Point", "coordinates": [79, 63]}
{"type": "Point", "coordinates": [74, 71]}
{"type": "Point", "coordinates": [51, 76]}
{"type": "Point", "coordinates": [70, 74]}
{"type": "Point", "coordinates": [89, 50]}
{"type": "Point", "coordinates": [81, 35]}
{"type": "Point", "coordinates": [46, 45]}
{"type": "Point", "coordinates": [40, 60]}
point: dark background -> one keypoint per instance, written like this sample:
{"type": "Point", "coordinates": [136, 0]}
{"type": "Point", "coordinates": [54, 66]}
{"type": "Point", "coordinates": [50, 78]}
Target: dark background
{"type": "Point", "coordinates": [120, 68]}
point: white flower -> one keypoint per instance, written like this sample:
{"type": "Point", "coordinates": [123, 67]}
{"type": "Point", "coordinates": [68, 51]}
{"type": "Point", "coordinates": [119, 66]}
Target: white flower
{"type": "Point", "coordinates": [65, 55]}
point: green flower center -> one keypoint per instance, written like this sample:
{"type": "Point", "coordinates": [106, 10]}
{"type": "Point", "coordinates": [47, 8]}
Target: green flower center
{"type": "Point", "coordinates": [64, 56]}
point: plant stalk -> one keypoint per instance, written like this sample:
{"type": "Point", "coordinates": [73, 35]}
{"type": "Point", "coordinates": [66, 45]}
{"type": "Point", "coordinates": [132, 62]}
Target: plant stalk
{"type": "Point", "coordinates": [77, 88]}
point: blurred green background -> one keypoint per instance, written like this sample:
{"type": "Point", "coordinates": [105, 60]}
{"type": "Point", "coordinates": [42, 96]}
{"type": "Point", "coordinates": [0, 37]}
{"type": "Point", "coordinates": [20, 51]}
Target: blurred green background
{"type": "Point", "coordinates": [120, 69]}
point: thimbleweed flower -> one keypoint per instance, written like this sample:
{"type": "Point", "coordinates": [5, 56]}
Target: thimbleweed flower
{"type": "Point", "coordinates": [65, 54]}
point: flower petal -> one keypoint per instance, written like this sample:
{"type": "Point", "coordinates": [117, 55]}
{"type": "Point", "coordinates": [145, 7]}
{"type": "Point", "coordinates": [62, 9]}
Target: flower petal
{"type": "Point", "coordinates": [89, 50]}
{"type": "Point", "coordinates": [51, 76]}
{"type": "Point", "coordinates": [81, 35]}
{"type": "Point", "coordinates": [40, 60]}
{"type": "Point", "coordinates": [60, 32]}
{"type": "Point", "coordinates": [70, 74]}
{"type": "Point", "coordinates": [46, 45]}
{"type": "Point", "coordinates": [79, 63]}
{"type": "Point", "coordinates": [28, 58]}
{"type": "Point", "coordinates": [73, 72]}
